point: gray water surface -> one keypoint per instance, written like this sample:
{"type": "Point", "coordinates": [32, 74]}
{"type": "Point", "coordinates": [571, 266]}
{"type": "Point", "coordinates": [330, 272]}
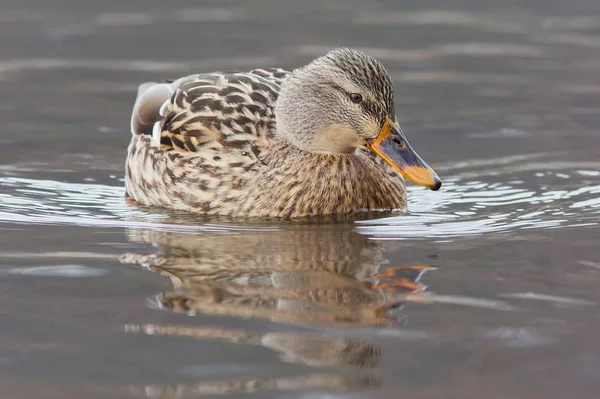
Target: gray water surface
{"type": "Point", "coordinates": [488, 287]}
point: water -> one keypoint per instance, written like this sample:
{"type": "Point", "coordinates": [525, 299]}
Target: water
{"type": "Point", "coordinates": [489, 285]}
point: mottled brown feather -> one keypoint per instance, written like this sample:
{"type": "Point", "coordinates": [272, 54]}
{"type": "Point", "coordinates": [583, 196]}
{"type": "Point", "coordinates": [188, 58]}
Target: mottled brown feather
{"type": "Point", "coordinates": [217, 153]}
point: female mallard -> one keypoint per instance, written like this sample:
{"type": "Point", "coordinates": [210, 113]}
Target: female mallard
{"type": "Point", "coordinates": [322, 139]}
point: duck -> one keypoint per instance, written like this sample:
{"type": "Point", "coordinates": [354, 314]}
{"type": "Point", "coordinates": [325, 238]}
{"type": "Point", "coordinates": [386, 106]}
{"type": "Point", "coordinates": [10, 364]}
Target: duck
{"type": "Point", "coordinates": [322, 139]}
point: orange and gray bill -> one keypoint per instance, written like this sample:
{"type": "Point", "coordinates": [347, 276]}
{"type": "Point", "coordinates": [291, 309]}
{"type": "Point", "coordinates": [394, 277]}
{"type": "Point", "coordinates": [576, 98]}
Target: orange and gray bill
{"type": "Point", "coordinates": [392, 146]}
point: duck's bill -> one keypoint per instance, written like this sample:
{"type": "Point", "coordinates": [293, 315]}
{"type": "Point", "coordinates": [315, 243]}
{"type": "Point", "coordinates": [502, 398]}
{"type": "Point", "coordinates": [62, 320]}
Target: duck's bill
{"type": "Point", "coordinates": [392, 146]}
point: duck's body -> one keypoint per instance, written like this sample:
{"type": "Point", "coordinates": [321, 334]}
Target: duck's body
{"type": "Point", "coordinates": [211, 144]}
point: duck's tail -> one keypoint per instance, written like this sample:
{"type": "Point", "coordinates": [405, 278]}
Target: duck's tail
{"type": "Point", "coordinates": [148, 109]}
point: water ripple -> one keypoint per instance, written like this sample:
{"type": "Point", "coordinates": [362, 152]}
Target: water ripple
{"type": "Point", "coordinates": [44, 202]}
{"type": "Point", "coordinates": [477, 207]}
{"type": "Point", "coordinates": [534, 199]}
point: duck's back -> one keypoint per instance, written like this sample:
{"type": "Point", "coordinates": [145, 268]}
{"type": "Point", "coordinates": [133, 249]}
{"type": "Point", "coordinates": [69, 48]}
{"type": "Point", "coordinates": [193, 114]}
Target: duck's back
{"type": "Point", "coordinates": [186, 113]}
{"type": "Point", "coordinates": [197, 138]}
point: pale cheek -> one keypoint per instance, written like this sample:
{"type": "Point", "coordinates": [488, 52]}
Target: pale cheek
{"type": "Point", "coordinates": [371, 128]}
{"type": "Point", "coordinates": [337, 139]}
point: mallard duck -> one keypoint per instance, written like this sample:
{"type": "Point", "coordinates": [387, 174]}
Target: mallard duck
{"type": "Point", "coordinates": [322, 139]}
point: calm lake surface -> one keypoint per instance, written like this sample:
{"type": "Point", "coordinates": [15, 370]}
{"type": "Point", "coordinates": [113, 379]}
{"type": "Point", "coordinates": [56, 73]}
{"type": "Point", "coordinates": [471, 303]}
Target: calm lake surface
{"type": "Point", "coordinates": [489, 287]}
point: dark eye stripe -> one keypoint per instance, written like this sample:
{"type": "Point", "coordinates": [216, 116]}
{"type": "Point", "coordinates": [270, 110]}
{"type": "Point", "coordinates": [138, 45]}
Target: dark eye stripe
{"type": "Point", "coordinates": [338, 88]}
{"type": "Point", "coordinates": [372, 109]}
{"type": "Point", "coordinates": [368, 106]}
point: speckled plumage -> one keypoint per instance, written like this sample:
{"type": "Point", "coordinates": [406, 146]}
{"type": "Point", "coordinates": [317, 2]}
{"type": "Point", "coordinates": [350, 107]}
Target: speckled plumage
{"type": "Point", "coordinates": [210, 144]}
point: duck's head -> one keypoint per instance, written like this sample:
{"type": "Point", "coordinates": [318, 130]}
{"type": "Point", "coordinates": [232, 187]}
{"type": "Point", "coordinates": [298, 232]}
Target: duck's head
{"type": "Point", "coordinates": [344, 101]}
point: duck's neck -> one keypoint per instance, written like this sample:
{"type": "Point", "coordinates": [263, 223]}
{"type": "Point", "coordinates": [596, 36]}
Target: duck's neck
{"type": "Point", "coordinates": [296, 183]}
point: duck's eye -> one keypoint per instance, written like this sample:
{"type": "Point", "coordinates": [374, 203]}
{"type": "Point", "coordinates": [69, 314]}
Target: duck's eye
{"type": "Point", "coordinates": [356, 98]}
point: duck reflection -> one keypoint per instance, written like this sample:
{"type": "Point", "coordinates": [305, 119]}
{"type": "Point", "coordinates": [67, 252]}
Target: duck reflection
{"type": "Point", "coordinates": [310, 275]}
{"type": "Point", "coordinates": [249, 385]}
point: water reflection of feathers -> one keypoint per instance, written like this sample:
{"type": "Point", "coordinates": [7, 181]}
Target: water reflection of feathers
{"type": "Point", "coordinates": [308, 349]}
{"type": "Point", "coordinates": [303, 348]}
{"type": "Point", "coordinates": [250, 385]}
{"type": "Point", "coordinates": [311, 274]}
